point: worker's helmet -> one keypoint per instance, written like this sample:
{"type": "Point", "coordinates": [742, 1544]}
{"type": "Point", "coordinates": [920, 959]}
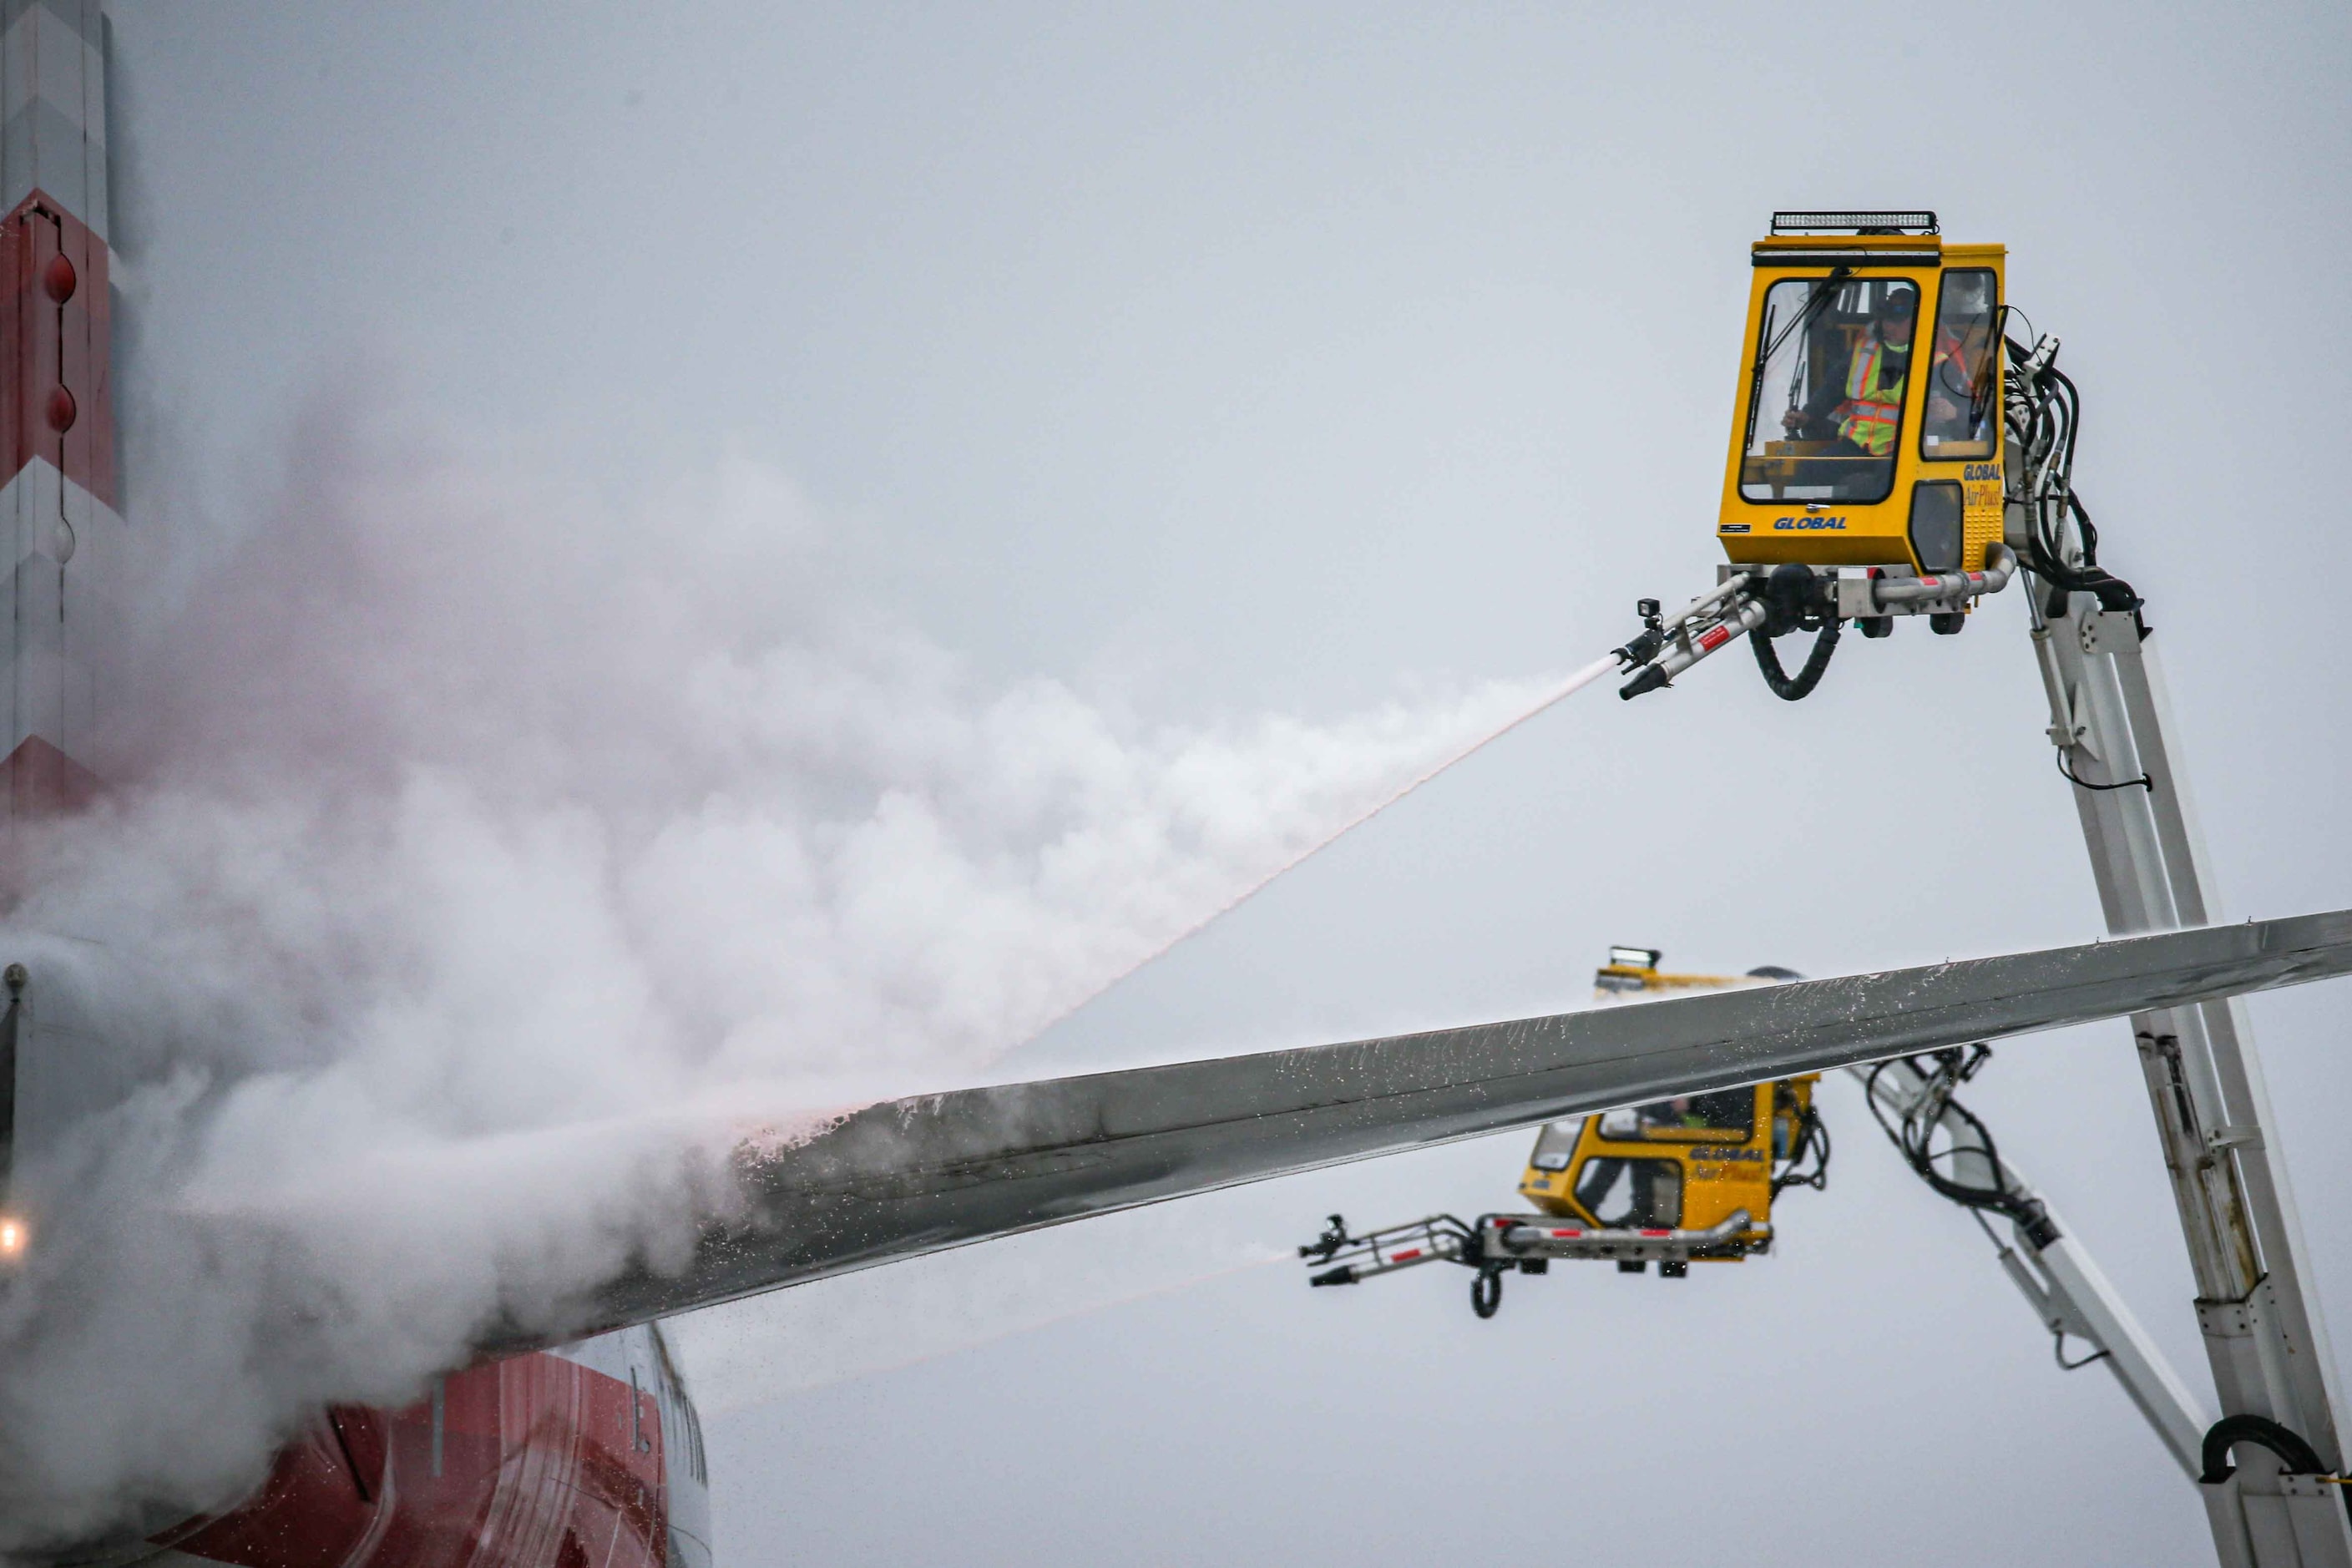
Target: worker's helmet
{"type": "Point", "coordinates": [1898, 302]}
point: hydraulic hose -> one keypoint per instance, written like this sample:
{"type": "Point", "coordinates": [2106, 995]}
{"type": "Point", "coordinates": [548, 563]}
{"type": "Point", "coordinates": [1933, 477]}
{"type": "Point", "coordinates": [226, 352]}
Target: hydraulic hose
{"type": "Point", "coordinates": [1817, 663]}
{"type": "Point", "coordinates": [2295, 1455]}
{"type": "Point", "coordinates": [2045, 419]}
{"type": "Point", "coordinates": [1913, 1131]}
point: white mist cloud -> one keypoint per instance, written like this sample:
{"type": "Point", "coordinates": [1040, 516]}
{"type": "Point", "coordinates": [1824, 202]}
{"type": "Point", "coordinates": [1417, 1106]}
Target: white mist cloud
{"type": "Point", "coordinates": [766, 1348]}
{"type": "Point", "coordinates": [497, 843]}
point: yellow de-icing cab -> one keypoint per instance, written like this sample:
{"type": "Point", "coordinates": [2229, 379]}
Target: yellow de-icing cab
{"type": "Point", "coordinates": [1690, 1164]}
{"type": "Point", "coordinates": [1864, 483]}
{"type": "Point", "coordinates": [1867, 419]}
{"type": "Point", "coordinates": [1682, 1179]}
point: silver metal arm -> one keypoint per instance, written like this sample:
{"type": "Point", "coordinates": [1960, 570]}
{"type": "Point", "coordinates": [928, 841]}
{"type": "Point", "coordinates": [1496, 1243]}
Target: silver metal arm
{"type": "Point", "coordinates": [2263, 1338]}
{"type": "Point", "coordinates": [2273, 1372]}
{"type": "Point", "coordinates": [2052, 1270]}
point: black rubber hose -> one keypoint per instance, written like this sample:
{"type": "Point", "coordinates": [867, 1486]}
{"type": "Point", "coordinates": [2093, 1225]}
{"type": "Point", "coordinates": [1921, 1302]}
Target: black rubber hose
{"type": "Point", "coordinates": [2297, 1455]}
{"type": "Point", "coordinates": [1912, 1140]}
{"type": "Point", "coordinates": [1486, 1293]}
{"type": "Point", "coordinates": [1816, 663]}
{"type": "Point", "coordinates": [2062, 405]}
{"type": "Point", "coordinates": [1813, 1138]}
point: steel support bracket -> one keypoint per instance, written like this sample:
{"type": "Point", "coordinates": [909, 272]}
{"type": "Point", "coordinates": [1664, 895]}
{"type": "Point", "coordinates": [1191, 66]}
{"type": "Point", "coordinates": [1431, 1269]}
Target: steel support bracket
{"type": "Point", "coordinates": [2225, 1320]}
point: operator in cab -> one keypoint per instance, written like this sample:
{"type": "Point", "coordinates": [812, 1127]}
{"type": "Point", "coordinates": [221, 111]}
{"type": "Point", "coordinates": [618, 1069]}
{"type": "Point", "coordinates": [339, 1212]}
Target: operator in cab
{"type": "Point", "coordinates": [1963, 382]}
{"type": "Point", "coordinates": [1862, 410]}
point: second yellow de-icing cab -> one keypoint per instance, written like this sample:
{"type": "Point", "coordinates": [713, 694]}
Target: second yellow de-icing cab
{"type": "Point", "coordinates": [1704, 1165]}
{"type": "Point", "coordinates": [1691, 1179]}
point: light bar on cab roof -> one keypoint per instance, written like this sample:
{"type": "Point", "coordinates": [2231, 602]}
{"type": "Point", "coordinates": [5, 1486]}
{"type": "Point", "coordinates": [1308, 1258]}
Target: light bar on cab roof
{"type": "Point", "coordinates": [1856, 223]}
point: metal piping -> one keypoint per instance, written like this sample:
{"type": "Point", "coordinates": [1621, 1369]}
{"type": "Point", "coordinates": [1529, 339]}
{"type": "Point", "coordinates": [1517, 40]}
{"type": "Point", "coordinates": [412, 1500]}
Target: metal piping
{"type": "Point", "coordinates": [1532, 1238]}
{"type": "Point", "coordinates": [1689, 651]}
{"type": "Point", "coordinates": [1953, 587]}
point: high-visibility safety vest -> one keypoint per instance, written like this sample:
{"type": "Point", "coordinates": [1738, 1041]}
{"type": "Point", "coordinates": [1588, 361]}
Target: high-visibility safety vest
{"type": "Point", "coordinates": [1948, 347]}
{"type": "Point", "coordinates": [1951, 374]}
{"type": "Point", "coordinates": [1869, 414]}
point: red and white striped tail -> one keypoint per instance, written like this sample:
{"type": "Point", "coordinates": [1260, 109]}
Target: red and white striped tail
{"type": "Point", "coordinates": [60, 493]}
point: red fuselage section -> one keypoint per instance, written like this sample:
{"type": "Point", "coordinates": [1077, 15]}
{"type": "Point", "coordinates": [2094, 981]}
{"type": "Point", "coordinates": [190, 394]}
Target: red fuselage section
{"type": "Point", "coordinates": [586, 1456]}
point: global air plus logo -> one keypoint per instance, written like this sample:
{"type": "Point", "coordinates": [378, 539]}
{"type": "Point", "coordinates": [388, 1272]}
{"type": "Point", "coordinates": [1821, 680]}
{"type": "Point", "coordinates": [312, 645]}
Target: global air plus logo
{"type": "Point", "coordinates": [1807, 524]}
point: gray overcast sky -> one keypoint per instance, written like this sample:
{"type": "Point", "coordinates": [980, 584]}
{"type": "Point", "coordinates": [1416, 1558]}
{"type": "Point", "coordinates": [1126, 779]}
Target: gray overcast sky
{"type": "Point", "coordinates": [1237, 357]}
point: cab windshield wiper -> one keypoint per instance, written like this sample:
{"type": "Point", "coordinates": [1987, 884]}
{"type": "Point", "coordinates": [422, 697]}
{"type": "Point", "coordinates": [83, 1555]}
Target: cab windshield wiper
{"type": "Point", "coordinates": [1823, 292]}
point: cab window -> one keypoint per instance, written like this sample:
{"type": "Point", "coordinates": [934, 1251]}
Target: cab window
{"type": "Point", "coordinates": [1727, 1114]}
{"type": "Point", "coordinates": [1825, 403]}
{"type": "Point", "coordinates": [1641, 1193]}
{"type": "Point", "coordinates": [1963, 370]}
{"type": "Point", "coordinates": [1554, 1145]}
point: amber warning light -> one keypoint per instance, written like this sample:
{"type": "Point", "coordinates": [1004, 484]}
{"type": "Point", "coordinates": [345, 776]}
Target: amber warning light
{"type": "Point", "coordinates": [12, 1237]}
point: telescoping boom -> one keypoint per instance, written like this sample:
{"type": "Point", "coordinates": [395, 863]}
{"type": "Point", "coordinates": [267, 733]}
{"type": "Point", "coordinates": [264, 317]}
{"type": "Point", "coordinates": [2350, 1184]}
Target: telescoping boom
{"type": "Point", "coordinates": [1893, 453]}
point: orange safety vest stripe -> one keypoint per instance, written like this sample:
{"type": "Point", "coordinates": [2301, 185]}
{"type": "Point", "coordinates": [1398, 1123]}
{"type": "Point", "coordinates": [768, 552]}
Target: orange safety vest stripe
{"type": "Point", "coordinates": [1952, 350]}
{"type": "Point", "coordinates": [1871, 413]}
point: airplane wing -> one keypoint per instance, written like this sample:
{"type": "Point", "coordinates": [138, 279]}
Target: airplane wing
{"type": "Point", "coordinates": [916, 1175]}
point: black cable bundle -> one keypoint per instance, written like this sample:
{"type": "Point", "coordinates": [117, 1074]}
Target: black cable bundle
{"type": "Point", "coordinates": [2054, 420]}
{"type": "Point", "coordinates": [1944, 1071]}
{"type": "Point", "coordinates": [1817, 663]}
{"type": "Point", "coordinates": [1812, 1139]}
{"type": "Point", "coordinates": [1794, 601]}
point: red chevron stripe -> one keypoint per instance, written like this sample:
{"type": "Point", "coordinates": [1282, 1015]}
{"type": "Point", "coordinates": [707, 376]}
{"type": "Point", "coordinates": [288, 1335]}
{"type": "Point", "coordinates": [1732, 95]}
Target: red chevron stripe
{"type": "Point", "coordinates": [47, 344]}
